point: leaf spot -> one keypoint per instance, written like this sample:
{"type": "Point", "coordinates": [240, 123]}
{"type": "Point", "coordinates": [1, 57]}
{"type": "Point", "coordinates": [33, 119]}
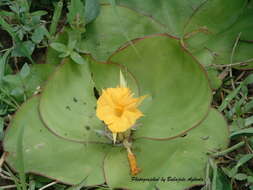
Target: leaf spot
{"type": "Point", "coordinates": [204, 137]}
{"type": "Point", "coordinates": [27, 150]}
{"type": "Point", "coordinates": [37, 146]}
{"type": "Point", "coordinates": [74, 99]}
{"type": "Point", "coordinates": [68, 108]}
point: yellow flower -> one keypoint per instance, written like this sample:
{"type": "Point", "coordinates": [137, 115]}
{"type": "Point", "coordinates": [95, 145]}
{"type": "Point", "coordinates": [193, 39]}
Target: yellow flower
{"type": "Point", "coordinates": [118, 109]}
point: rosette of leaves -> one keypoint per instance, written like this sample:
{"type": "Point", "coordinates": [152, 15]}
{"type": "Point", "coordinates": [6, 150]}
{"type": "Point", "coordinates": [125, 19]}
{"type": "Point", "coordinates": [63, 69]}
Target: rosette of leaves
{"type": "Point", "coordinates": [57, 133]}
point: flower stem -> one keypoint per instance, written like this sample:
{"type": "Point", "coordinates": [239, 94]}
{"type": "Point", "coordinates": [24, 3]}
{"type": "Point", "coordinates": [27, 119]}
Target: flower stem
{"type": "Point", "coordinates": [131, 159]}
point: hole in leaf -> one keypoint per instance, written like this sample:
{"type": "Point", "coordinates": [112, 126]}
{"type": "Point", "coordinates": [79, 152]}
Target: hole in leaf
{"type": "Point", "coordinates": [96, 93]}
{"type": "Point", "coordinates": [87, 127]}
{"type": "Point", "coordinates": [68, 108]}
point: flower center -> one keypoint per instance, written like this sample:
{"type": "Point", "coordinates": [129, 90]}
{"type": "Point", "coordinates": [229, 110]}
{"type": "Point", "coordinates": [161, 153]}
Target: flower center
{"type": "Point", "coordinates": [119, 111]}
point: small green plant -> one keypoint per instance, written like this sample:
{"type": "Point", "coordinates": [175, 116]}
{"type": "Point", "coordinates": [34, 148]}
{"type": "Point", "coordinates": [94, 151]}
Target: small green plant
{"type": "Point", "coordinates": [69, 50]}
{"type": "Point", "coordinates": [26, 28]}
{"type": "Point", "coordinates": [79, 15]}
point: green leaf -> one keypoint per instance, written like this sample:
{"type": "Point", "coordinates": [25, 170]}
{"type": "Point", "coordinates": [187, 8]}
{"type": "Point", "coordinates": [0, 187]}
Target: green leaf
{"type": "Point", "coordinates": [92, 9]}
{"type": "Point", "coordinates": [111, 30]}
{"type": "Point", "coordinates": [250, 179]}
{"type": "Point", "coordinates": [38, 73]}
{"type": "Point", "coordinates": [240, 176]}
{"type": "Point", "coordinates": [230, 97]}
{"type": "Point", "coordinates": [194, 14]}
{"type": "Point", "coordinates": [8, 28]}
{"type": "Point", "coordinates": [166, 12]}
{"type": "Point", "coordinates": [229, 172]}
{"type": "Point", "coordinates": [39, 34]}
{"type": "Point", "coordinates": [222, 182]}
{"type": "Point", "coordinates": [245, 158]}
{"type": "Point", "coordinates": [63, 55]}
{"type": "Point", "coordinates": [25, 71]}
{"type": "Point", "coordinates": [7, 14]}
{"type": "Point", "coordinates": [59, 47]}
{"type": "Point", "coordinates": [68, 100]}
{"type": "Point", "coordinates": [39, 13]}
{"type": "Point", "coordinates": [23, 49]}
{"type": "Point", "coordinates": [50, 155]}
{"type": "Point", "coordinates": [248, 80]}
{"type": "Point", "coordinates": [71, 45]}
{"type": "Point", "coordinates": [163, 75]}
{"type": "Point", "coordinates": [77, 58]}
{"type": "Point", "coordinates": [219, 46]}
{"type": "Point", "coordinates": [247, 131]}
{"type": "Point", "coordinates": [18, 92]}
{"type": "Point", "coordinates": [215, 81]}
{"type": "Point", "coordinates": [248, 121]}
{"type": "Point", "coordinates": [175, 114]}
{"type": "Point", "coordinates": [12, 80]}
{"type": "Point", "coordinates": [180, 158]}
{"type": "Point", "coordinates": [223, 19]}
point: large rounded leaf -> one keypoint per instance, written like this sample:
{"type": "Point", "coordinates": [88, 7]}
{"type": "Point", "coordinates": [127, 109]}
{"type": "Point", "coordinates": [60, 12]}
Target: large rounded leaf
{"type": "Point", "coordinates": [112, 28]}
{"type": "Point", "coordinates": [166, 12]}
{"type": "Point", "coordinates": [68, 102]}
{"type": "Point", "coordinates": [226, 13]}
{"type": "Point", "coordinates": [177, 89]}
{"type": "Point", "coordinates": [218, 48]}
{"type": "Point", "coordinates": [49, 155]}
{"type": "Point", "coordinates": [174, 164]}
{"type": "Point", "coordinates": [210, 38]}
{"type": "Point", "coordinates": [190, 16]}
